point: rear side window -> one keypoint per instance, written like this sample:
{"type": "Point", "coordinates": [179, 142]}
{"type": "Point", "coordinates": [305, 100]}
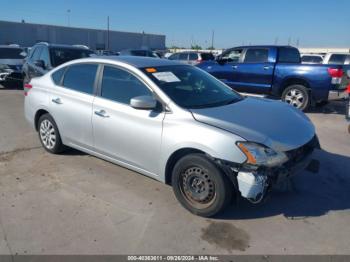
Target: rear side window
{"type": "Point", "coordinates": [121, 86]}
{"type": "Point", "coordinates": [183, 56]}
{"type": "Point", "coordinates": [337, 59]}
{"type": "Point", "coordinates": [288, 55]}
{"type": "Point", "coordinates": [57, 76]}
{"type": "Point", "coordinates": [207, 56]}
{"type": "Point", "coordinates": [62, 55]}
{"type": "Point", "coordinates": [193, 56]}
{"type": "Point", "coordinates": [256, 55]}
{"type": "Point", "coordinates": [10, 53]}
{"type": "Point", "coordinates": [80, 78]}
{"type": "Point", "coordinates": [311, 59]}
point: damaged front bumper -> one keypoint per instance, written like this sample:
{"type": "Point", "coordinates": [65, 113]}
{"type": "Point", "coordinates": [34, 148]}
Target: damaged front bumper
{"type": "Point", "coordinates": [253, 184]}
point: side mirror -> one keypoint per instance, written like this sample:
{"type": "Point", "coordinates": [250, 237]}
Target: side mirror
{"type": "Point", "coordinates": [143, 102]}
{"type": "Point", "coordinates": [40, 63]}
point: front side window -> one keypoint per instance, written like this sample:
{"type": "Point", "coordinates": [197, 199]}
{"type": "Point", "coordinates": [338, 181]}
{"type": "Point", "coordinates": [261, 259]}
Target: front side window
{"type": "Point", "coordinates": [36, 54]}
{"type": "Point", "coordinates": [121, 86]}
{"type": "Point", "coordinates": [44, 56]}
{"type": "Point", "coordinates": [193, 56]}
{"type": "Point", "coordinates": [232, 56]}
{"type": "Point", "coordinates": [256, 55]}
{"type": "Point", "coordinates": [80, 78]}
{"type": "Point", "coordinates": [174, 57]}
{"type": "Point", "coordinates": [190, 87]}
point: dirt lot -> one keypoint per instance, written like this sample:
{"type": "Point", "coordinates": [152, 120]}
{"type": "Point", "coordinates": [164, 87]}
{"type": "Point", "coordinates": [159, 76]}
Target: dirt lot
{"type": "Point", "coordinates": [78, 204]}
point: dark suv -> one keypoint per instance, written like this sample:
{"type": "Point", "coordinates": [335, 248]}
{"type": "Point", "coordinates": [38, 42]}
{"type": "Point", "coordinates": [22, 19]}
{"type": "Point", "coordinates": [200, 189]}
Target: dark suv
{"type": "Point", "coordinates": [43, 57]}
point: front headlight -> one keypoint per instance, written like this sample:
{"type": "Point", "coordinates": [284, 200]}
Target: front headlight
{"type": "Point", "coordinates": [259, 155]}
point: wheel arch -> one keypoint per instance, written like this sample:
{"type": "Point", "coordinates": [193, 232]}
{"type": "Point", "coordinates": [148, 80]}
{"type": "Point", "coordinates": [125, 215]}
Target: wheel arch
{"type": "Point", "coordinates": [37, 116]}
{"type": "Point", "coordinates": [176, 156]}
{"type": "Point", "coordinates": [294, 81]}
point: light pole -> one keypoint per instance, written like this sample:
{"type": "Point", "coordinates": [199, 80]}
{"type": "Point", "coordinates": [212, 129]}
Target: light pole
{"type": "Point", "coordinates": [68, 16]}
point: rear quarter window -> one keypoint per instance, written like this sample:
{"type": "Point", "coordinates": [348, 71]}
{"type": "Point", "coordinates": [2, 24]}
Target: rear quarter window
{"type": "Point", "coordinates": [57, 76]}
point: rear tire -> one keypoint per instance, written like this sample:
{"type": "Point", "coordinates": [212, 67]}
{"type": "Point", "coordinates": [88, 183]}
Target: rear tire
{"type": "Point", "coordinates": [49, 135]}
{"type": "Point", "coordinates": [200, 186]}
{"type": "Point", "coordinates": [297, 96]}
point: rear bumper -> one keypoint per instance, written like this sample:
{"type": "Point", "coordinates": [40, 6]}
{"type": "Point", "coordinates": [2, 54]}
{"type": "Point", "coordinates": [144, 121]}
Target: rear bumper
{"type": "Point", "coordinates": [337, 95]}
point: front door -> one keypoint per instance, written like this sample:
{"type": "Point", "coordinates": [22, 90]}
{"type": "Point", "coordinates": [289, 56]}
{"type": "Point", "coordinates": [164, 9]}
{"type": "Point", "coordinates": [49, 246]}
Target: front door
{"type": "Point", "coordinates": [128, 135]}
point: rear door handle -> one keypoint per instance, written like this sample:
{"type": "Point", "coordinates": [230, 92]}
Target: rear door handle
{"type": "Point", "coordinates": [266, 67]}
{"type": "Point", "coordinates": [235, 67]}
{"type": "Point", "coordinates": [57, 101]}
{"type": "Point", "coordinates": [101, 113]}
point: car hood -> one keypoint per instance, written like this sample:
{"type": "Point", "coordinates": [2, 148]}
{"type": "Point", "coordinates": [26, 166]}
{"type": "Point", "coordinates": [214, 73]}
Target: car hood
{"type": "Point", "coordinates": [269, 122]}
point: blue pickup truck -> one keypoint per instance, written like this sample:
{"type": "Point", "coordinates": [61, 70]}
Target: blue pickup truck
{"type": "Point", "coordinates": [277, 71]}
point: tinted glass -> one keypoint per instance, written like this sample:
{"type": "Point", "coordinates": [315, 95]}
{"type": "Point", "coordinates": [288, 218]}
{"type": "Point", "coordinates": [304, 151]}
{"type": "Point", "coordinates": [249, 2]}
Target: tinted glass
{"type": "Point", "coordinates": [256, 55]}
{"type": "Point", "coordinates": [183, 56]}
{"type": "Point", "coordinates": [45, 56]}
{"type": "Point", "coordinates": [10, 53]}
{"type": "Point", "coordinates": [232, 56]}
{"type": "Point", "coordinates": [120, 86]}
{"type": "Point", "coordinates": [193, 56]}
{"type": "Point", "coordinates": [311, 59]}
{"type": "Point", "coordinates": [337, 59]}
{"type": "Point", "coordinates": [288, 55]}
{"type": "Point", "coordinates": [139, 53]}
{"type": "Point", "coordinates": [207, 56]}
{"type": "Point", "coordinates": [174, 57]}
{"type": "Point", "coordinates": [36, 54]}
{"type": "Point", "coordinates": [57, 76]}
{"type": "Point", "coordinates": [190, 87]}
{"type": "Point", "coordinates": [62, 55]}
{"type": "Point", "coordinates": [80, 78]}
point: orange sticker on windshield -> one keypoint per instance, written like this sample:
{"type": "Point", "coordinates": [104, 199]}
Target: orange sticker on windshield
{"type": "Point", "coordinates": [151, 70]}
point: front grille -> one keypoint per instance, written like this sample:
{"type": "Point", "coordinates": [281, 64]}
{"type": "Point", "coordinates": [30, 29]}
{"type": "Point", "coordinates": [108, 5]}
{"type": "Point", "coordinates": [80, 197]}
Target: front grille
{"type": "Point", "coordinates": [298, 154]}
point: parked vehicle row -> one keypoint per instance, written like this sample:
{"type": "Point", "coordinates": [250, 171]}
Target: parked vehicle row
{"type": "Point", "coordinates": [174, 123]}
{"type": "Point", "coordinates": [276, 71]}
{"type": "Point", "coordinates": [192, 58]}
{"type": "Point", "coordinates": [11, 61]}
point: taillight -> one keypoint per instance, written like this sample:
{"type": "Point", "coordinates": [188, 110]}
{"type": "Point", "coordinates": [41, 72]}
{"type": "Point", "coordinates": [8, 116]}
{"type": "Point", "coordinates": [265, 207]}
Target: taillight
{"type": "Point", "coordinates": [348, 89]}
{"type": "Point", "coordinates": [26, 88]}
{"type": "Point", "coordinates": [336, 74]}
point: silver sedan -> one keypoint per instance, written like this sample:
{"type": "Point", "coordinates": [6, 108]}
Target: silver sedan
{"type": "Point", "coordinates": [174, 123]}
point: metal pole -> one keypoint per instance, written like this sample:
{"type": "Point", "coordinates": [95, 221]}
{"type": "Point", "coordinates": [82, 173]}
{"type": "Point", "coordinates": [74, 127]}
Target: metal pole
{"type": "Point", "coordinates": [107, 32]}
{"type": "Point", "coordinates": [68, 16]}
{"type": "Point", "coordinates": [212, 39]}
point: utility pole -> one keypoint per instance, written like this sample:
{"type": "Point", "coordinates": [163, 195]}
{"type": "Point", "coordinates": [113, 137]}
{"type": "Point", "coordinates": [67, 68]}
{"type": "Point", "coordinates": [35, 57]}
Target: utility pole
{"type": "Point", "coordinates": [107, 32]}
{"type": "Point", "coordinates": [212, 39]}
{"type": "Point", "coordinates": [298, 42]}
{"type": "Point", "coordinates": [68, 17]}
{"type": "Point", "coordinates": [276, 40]}
{"type": "Point", "coordinates": [289, 39]}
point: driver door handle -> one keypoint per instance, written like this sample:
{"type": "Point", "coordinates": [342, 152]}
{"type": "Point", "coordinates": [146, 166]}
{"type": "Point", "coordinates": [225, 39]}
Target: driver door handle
{"type": "Point", "coordinates": [101, 113]}
{"type": "Point", "coordinates": [266, 67]}
{"type": "Point", "coordinates": [235, 66]}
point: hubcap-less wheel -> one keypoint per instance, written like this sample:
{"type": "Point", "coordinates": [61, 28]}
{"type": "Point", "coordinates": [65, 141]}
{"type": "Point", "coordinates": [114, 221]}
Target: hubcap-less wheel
{"type": "Point", "coordinates": [47, 134]}
{"type": "Point", "coordinates": [197, 187]}
{"type": "Point", "coordinates": [295, 98]}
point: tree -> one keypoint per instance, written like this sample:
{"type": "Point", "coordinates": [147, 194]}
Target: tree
{"type": "Point", "coordinates": [196, 47]}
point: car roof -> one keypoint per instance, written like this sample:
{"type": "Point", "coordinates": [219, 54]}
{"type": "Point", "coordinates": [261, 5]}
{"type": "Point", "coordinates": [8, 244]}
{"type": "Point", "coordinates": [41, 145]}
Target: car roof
{"type": "Point", "coordinates": [62, 46]}
{"type": "Point", "coordinates": [141, 61]}
{"type": "Point", "coordinates": [263, 46]}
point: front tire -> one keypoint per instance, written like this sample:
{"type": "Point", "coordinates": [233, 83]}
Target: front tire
{"type": "Point", "coordinates": [200, 186]}
{"type": "Point", "coordinates": [297, 96]}
{"type": "Point", "coordinates": [49, 135]}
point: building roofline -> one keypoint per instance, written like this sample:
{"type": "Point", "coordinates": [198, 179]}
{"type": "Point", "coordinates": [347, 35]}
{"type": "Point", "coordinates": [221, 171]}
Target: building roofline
{"type": "Point", "coordinates": [81, 28]}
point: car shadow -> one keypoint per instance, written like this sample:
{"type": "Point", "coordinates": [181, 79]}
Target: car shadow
{"type": "Point", "coordinates": [311, 195]}
{"type": "Point", "coordinates": [72, 152]}
{"type": "Point", "coordinates": [332, 107]}
{"type": "Point", "coordinates": [12, 84]}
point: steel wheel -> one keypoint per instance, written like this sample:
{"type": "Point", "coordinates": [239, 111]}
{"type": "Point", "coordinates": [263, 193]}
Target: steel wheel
{"type": "Point", "coordinates": [197, 187]}
{"type": "Point", "coordinates": [295, 98]}
{"type": "Point", "coordinates": [47, 134]}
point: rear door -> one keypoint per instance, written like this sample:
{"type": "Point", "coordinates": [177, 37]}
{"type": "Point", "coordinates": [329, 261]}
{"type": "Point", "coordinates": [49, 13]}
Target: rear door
{"type": "Point", "coordinates": [256, 72]}
{"type": "Point", "coordinates": [71, 103]}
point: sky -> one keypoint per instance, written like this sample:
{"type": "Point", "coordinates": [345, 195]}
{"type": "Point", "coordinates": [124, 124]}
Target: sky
{"type": "Point", "coordinates": [311, 23]}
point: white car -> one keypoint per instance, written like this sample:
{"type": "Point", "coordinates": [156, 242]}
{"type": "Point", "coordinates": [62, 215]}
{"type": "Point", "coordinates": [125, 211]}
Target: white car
{"type": "Point", "coordinates": [337, 58]}
{"type": "Point", "coordinates": [311, 59]}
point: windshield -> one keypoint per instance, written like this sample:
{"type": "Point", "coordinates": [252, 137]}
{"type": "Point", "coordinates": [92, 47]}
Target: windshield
{"type": "Point", "coordinates": [62, 55]}
{"type": "Point", "coordinates": [11, 53]}
{"type": "Point", "coordinates": [190, 87]}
